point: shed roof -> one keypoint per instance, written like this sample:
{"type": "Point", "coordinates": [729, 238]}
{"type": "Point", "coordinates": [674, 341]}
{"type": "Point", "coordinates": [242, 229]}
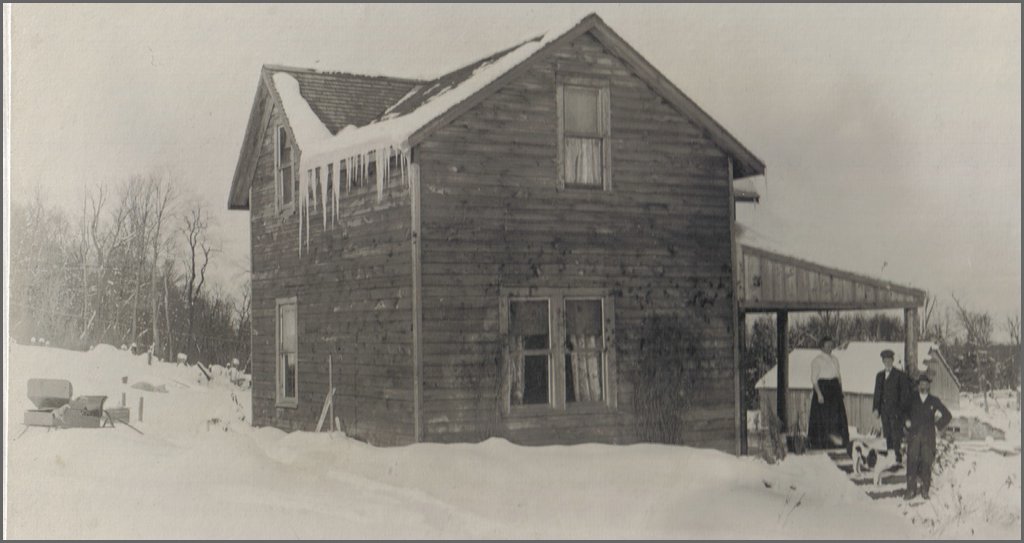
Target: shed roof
{"type": "Point", "coordinates": [859, 363]}
{"type": "Point", "coordinates": [410, 110]}
{"type": "Point", "coordinates": [770, 279]}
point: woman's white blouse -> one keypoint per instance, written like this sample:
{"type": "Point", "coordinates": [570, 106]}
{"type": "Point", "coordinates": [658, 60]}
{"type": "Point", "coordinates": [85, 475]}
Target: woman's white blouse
{"type": "Point", "coordinates": [824, 366]}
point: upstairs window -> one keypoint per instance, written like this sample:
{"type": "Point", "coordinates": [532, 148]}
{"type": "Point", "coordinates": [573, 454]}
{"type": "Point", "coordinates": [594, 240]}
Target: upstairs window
{"type": "Point", "coordinates": [584, 127]}
{"type": "Point", "coordinates": [284, 170]}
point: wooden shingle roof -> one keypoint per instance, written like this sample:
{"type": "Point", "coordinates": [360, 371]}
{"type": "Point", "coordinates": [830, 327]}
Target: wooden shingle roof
{"type": "Point", "coordinates": [447, 81]}
{"type": "Point", "coordinates": [341, 99]}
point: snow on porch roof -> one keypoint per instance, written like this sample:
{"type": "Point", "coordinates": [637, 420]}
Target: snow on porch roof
{"type": "Point", "coordinates": [859, 363]}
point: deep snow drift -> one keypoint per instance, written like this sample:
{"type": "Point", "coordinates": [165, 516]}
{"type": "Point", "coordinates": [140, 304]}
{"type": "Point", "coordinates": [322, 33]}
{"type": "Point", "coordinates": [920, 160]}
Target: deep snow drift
{"type": "Point", "coordinates": [200, 471]}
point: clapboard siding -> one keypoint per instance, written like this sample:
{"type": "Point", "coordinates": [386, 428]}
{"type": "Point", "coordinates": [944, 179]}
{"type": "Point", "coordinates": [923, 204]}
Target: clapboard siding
{"type": "Point", "coordinates": [771, 281]}
{"type": "Point", "coordinates": [658, 242]}
{"type": "Point", "coordinates": [354, 289]}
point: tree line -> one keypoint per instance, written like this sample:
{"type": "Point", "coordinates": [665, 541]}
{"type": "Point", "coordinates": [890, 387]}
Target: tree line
{"type": "Point", "coordinates": [132, 268]}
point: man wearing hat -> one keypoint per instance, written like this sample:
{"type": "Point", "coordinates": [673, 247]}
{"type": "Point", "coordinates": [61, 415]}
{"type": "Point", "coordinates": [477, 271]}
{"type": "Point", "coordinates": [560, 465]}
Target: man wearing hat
{"type": "Point", "coordinates": [921, 427]}
{"type": "Point", "coordinates": [892, 399]}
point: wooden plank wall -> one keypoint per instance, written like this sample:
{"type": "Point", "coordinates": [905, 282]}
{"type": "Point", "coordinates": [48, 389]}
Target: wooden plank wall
{"type": "Point", "coordinates": [659, 241]}
{"type": "Point", "coordinates": [772, 281]}
{"type": "Point", "coordinates": [354, 291]}
{"type": "Point", "coordinates": [943, 386]}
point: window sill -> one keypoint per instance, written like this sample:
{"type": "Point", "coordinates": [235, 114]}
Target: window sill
{"type": "Point", "coordinates": [532, 410]}
{"type": "Point", "coordinates": [287, 404]}
{"type": "Point", "coordinates": [575, 408]}
{"type": "Point", "coordinates": [584, 186]}
{"type": "Point", "coordinates": [548, 410]}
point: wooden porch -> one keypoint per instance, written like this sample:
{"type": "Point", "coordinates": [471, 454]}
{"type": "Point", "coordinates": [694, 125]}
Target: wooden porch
{"type": "Point", "coordinates": [770, 282]}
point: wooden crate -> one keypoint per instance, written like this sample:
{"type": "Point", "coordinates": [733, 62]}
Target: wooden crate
{"type": "Point", "coordinates": [120, 414]}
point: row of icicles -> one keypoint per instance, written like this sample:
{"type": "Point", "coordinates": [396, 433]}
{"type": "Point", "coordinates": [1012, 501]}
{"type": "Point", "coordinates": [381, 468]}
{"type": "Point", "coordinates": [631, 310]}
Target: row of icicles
{"type": "Point", "coordinates": [357, 168]}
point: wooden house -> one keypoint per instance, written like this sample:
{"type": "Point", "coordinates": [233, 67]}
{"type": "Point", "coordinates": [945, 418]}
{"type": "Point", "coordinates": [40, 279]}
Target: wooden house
{"type": "Point", "coordinates": [538, 246]}
{"type": "Point", "coordinates": [541, 215]}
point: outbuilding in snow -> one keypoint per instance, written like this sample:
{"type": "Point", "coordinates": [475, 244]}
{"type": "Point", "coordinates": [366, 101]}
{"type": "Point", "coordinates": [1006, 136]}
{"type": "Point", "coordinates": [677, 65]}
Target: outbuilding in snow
{"type": "Point", "coordinates": [859, 363]}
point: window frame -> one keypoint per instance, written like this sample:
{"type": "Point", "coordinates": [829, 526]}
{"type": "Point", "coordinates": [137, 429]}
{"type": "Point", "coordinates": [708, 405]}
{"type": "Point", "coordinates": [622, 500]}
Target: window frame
{"type": "Point", "coordinates": [280, 399]}
{"type": "Point", "coordinates": [603, 350]}
{"type": "Point", "coordinates": [604, 125]}
{"type": "Point", "coordinates": [556, 298]}
{"type": "Point", "coordinates": [281, 205]}
{"type": "Point", "coordinates": [549, 352]}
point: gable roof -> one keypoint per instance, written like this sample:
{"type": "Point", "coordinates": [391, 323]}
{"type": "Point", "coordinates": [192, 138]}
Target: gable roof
{"type": "Point", "coordinates": [425, 106]}
{"type": "Point", "coordinates": [337, 99]}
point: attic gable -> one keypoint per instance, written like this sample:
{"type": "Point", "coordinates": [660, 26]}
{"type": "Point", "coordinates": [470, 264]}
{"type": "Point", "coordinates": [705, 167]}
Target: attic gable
{"type": "Point", "coordinates": [412, 117]}
{"type": "Point", "coordinates": [337, 99]}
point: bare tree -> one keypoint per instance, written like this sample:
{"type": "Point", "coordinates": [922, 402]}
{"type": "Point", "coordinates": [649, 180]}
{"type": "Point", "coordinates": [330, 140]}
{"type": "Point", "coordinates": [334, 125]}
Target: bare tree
{"type": "Point", "coordinates": [163, 197]}
{"type": "Point", "coordinates": [195, 228]}
{"type": "Point", "coordinates": [243, 312]}
{"type": "Point", "coordinates": [1013, 330]}
{"type": "Point", "coordinates": [107, 234]}
{"type": "Point", "coordinates": [139, 203]}
{"type": "Point", "coordinates": [977, 326]}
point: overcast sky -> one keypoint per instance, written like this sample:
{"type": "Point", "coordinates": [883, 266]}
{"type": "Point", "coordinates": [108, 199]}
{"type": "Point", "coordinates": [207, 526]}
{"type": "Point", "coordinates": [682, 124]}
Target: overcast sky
{"type": "Point", "coordinates": [891, 134]}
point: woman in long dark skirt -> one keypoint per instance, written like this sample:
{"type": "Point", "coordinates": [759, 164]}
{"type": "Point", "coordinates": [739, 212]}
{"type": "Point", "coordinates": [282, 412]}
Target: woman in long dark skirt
{"type": "Point", "coordinates": [827, 428]}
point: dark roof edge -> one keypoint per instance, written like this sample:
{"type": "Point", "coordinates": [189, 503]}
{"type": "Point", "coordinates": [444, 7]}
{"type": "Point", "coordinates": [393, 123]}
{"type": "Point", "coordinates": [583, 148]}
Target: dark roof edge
{"type": "Point", "coordinates": [296, 69]}
{"type": "Point", "coordinates": [747, 164]}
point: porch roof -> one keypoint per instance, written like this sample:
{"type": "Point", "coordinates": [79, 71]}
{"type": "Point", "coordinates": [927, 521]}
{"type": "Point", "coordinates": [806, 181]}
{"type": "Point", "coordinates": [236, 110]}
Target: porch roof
{"type": "Point", "coordinates": [772, 281]}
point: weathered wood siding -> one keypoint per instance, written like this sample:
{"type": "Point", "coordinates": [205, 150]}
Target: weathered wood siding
{"type": "Point", "coordinates": [659, 241]}
{"type": "Point", "coordinates": [944, 385]}
{"type": "Point", "coordinates": [770, 281]}
{"type": "Point", "coordinates": [354, 304]}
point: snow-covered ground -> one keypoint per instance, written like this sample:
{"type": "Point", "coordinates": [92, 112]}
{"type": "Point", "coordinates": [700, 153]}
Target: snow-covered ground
{"type": "Point", "coordinates": [200, 471]}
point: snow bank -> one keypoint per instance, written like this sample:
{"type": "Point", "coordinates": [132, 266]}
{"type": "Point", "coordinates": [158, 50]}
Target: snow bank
{"type": "Point", "coordinates": [1002, 412]}
{"type": "Point", "coordinates": [200, 471]}
{"type": "Point", "coordinates": [978, 498]}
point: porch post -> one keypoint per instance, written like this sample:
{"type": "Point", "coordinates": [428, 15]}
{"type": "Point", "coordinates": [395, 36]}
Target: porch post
{"type": "Point", "coordinates": [741, 333]}
{"type": "Point", "coordinates": [910, 341]}
{"type": "Point", "coordinates": [782, 358]}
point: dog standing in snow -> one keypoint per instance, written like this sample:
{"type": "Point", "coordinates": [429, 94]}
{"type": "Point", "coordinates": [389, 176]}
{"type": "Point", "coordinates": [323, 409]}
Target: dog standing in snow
{"type": "Point", "coordinates": [865, 457]}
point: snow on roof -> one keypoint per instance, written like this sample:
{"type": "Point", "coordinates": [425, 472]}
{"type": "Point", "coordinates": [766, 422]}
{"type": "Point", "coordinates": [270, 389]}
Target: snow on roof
{"type": "Point", "coordinates": [859, 363]}
{"type": "Point", "coordinates": [391, 132]}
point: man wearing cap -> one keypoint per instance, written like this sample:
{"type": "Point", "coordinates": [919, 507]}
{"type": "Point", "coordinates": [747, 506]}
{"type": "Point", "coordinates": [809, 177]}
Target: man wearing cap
{"type": "Point", "coordinates": [921, 425]}
{"type": "Point", "coordinates": [892, 399]}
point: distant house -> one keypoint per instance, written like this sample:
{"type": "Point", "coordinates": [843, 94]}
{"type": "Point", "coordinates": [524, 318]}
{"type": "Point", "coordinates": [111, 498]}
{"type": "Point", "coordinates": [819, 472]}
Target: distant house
{"type": "Point", "coordinates": [859, 363]}
{"type": "Point", "coordinates": [526, 247]}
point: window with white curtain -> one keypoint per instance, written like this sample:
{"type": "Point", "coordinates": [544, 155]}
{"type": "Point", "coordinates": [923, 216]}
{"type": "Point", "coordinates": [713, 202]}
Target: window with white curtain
{"type": "Point", "coordinates": [560, 351]}
{"type": "Point", "coordinates": [584, 123]}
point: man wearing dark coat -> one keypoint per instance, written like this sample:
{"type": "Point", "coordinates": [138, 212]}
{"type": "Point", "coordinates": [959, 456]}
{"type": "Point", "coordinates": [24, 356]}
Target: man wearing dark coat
{"type": "Point", "coordinates": [892, 399]}
{"type": "Point", "coordinates": [922, 425]}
